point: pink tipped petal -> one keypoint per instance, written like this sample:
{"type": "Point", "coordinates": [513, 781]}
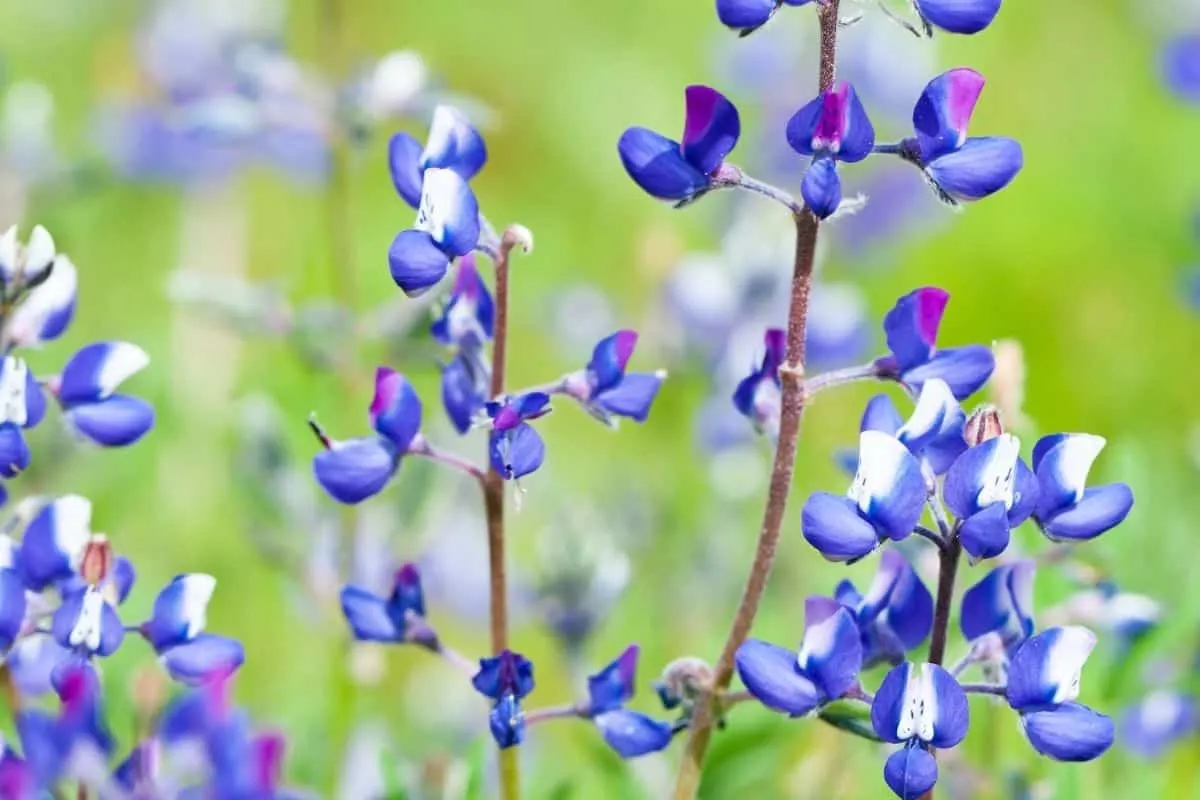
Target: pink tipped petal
{"type": "Point", "coordinates": [981, 167]}
{"type": "Point", "coordinates": [911, 327]}
{"type": "Point", "coordinates": [609, 358]}
{"type": "Point", "coordinates": [944, 110]}
{"type": "Point", "coordinates": [858, 134]}
{"type": "Point", "coordinates": [711, 128]}
{"type": "Point", "coordinates": [959, 16]}
{"type": "Point", "coordinates": [395, 409]}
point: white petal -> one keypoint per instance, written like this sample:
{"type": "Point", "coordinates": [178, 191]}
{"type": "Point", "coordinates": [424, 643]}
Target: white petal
{"type": "Point", "coordinates": [920, 705]}
{"type": "Point", "coordinates": [198, 589]}
{"type": "Point", "coordinates": [13, 377]}
{"type": "Point", "coordinates": [999, 474]}
{"type": "Point", "coordinates": [8, 254]}
{"type": "Point", "coordinates": [880, 459]}
{"type": "Point", "coordinates": [1064, 662]}
{"type": "Point", "coordinates": [446, 130]}
{"type": "Point", "coordinates": [933, 404]}
{"type": "Point", "coordinates": [39, 253]}
{"type": "Point", "coordinates": [1073, 460]}
{"type": "Point", "coordinates": [124, 360]}
{"type": "Point", "coordinates": [48, 298]}
{"type": "Point", "coordinates": [73, 525]}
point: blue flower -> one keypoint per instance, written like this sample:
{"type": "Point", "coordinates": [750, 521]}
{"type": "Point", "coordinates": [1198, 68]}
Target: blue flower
{"type": "Point", "coordinates": [824, 669]}
{"type": "Point", "coordinates": [447, 228]}
{"type": "Point", "coordinates": [896, 614]}
{"type": "Point", "coordinates": [466, 384]}
{"type": "Point", "coordinates": [506, 679]}
{"type": "Point", "coordinates": [1066, 508]}
{"type": "Point", "coordinates": [919, 706]}
{"type": "Point", "coordinates": [54, 542]}
{"type": "Point", "coordinates": [1001, 604]}
{"type": "Point", "coordinates": [934, 432]}
{"type": "Point", "coordinates": [629, 733]}
{"type": "Point", "coordinates": [86, 392]}
{"type": "Point", "coordinates": [87, 624]}
{"type": "Point", "coordinates": [1043, 684]}
{"type": "Point", "coordinates": [469, 316]}
{"type": "Point", "coordinates": [911, 328]}
{"type": "Point", "coordinates": [885, 501]}
{"type": "Point", "coordinates": [747, 16]}
{"type": "Point", "coordinates": [606, 391]}
{"type": "Point", "coordinates": [55, 745]}
{"type": "Point", "coordinates": [1181, 66]}
{"type": "Point", "coordinates": [959, 168]}
{"type": "Point", "coordinates": [400, 617]}
{"type": "Point", "coordinates": [685, 170]}
{"type": "Point", "coordinates": [1159, 720]}
{"type": "Point", "coordinates": [353, 470]}
{"type": "Point", "coordinates": [957, 16]}
{"type": "Point", "coordinates": [22, 405]}
{"type": "Point", "coordinates": [991, 491]}
{"type": "Point", "coordinates": [515, 447]}
{"type": "Point", "coordinates": [454, 144]}
{"type": "Point", "coordinates": [758, 396]}
{"type": "Point", "coordinates": [833, 127]}
{"type": "Point", "coordinates": [176, 632]}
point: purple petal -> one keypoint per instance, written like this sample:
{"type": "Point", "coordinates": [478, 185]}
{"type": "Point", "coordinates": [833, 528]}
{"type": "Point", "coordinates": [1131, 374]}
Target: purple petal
{"type": "Point", "coordinates": [910, 772]}
{"type": "Point", "coordinates": [416, 262]}
{"type": "Point", "coordinates": [881, 415]}
{"type": "Point", "coordinates": [710, 130]}
{"type": "Point", "coordinates": [1001, 603]}
{"type": "Point", "coordinates": [833, 526]}
{"type": "Point", "coordinates": [33, 661]}
{"type": "Point", "coordinates": [770, 674]}
{"type": "Point", "coordinates": [745, 15]}
{"type": "Point", "coordinates": [985, 534]}
{"type": "Point", "coordinates": [196, 662]}
{"type": "Point", "coordinates": [507, 673]}
{"type": "Point", "coordinates": [97, 370]}
{"type": "Point", "coordinates": [14, 451]}
{"type": "Point", "coordinates": [449, 212]}
{"type": "Point", "coordinates": [1070, 732]}
{"type": "Point", "coordinates": [633, 734]}
{"type": "Point", "coordinates": [609, 358]}
{"type": "Point", "coordinates": [463, 392]}
{"type": "Point", "coordinates": [958, 16]}
{"type": "Point", "coordinates": [395, 409]}
{"type": "Point", "coordinates": [911, 327]}
{"type": "Point", "coordinates": [1102, 508]}
{"type": "Point", "coordinates": [356, 469]}
{"type": "Point", "coordinates": [888, 487]}
{"type": "Point", "coordinates": [115, 421]}
{"type": "Point", "coordinates": [964, 369]}
{"type": "Point", "coordinates": [822, 188]}
{"type": "Point", "coordinates": [979, 168]}
{"type": "Point", "coordinates": [517, 452]}
{"type": "Point", "coordinates": [944, 110]}
{"type": "Point", "coordinates": [831, 654]}
{"type": "Point", "coordinates": [12, 607]}
{"type": "Point", "coordinates": [613, 686]}
{"type": "Point", "coordinates": [1046, 669]}
{"type": "Point", "coordinates": [834, 124]}
{"type": "Point", "coordinates": [404, 162]}
{"type": "Point", "coordinates": [633, 396]}
{"type": "Point", "coordinates": [1181, 66]}
{"type": "Point", "coordinates": [180, 611]}
{"type": "Point", "coordinates": [454, 144]}
{"type": "Point", "coordinates": [656, 164]}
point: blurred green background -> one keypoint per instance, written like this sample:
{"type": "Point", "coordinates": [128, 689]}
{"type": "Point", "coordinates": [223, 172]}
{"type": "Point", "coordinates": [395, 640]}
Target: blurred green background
{"type": "Point", "coordinates": [1078, 260]}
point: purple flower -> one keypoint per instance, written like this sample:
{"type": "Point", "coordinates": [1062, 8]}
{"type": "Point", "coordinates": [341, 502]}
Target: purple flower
{"type": "Point", "coordinates": [1159, 720]}
{"type": "Point", "coordinates": [629, 733]}
{"type": "Point", "coordinates": [506, 679]}
{"type": "Point", "coordinates": [824, 669]}
{"type": "Point", "coordinates": [758, 396]}
{"type": "Point", "coordinates": [447, 228]}
{"type": "Point", "coordinates": [1067, 509]}
{"type": "Point", "coordinates": [896, 614]}
{"type": "Point", "coordinates": [885, 501]}
{"type": "Point", "coordinates": [454, 144]}
{"type": "Point", "coordinates": [991, 491]}
{"type": "Point", "coordinates": [683, 171]}
{"type": "Point", "coordinates": [1001, 604]}
{"type": "Point", "coordinates": [400, 617]}
{"type": "Point", "coordinates": [54, 746]}
{"type": "Point", "coordinates": [515, 447]}
{"type": "Point", "coordinates": [747, 16]}
{"type": "Point", "coordinates": [833, 127]}
{"type": "Point", "coordinates": [960, 168]}
{"type": "Point", "coordinates": [911, 328]}
{"type": "Point", "coordinates": [1043, 684]}
{"type": "Point", "coordinates": [86, 392]}
{"type": "Point", "coordinates": [355, 469]}
{"type": "Point", "coordinates": [1181, 66]}
{"type": "Point", "coordinates": [468, 318]}
{"type": "Point", "coordinates": [919, 706]}
{"type": "Point", "coordinates": [606, 391]}
{"type": "Point", "coordinates": [957, 16]}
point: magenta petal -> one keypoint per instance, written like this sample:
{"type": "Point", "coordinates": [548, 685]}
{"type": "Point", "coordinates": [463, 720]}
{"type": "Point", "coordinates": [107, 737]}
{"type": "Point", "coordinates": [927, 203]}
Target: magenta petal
{"type": "Point", "coordinates": [395, 409]}
{"type": "Point", "coordinates": [944, 110]}
{"type": "Point", "coordinates": [711, 128]}
{"type": "Point", "coordinates": [911, 327]}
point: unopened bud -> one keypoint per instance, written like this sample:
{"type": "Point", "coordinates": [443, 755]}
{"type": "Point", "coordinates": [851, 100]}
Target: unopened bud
{"type": "Point", "coordinates": [983, 425]}
{"type": "Point", "coordinates": [683, 680]}
{"type": "Point", "coordinates": [97, 560]}
{"type": "Point", "coordinates": [148, 691]}
{"type": "Point", "coordinates": [515, 235]}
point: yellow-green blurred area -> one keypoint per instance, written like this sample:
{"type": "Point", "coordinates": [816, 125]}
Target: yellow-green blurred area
{"type": "Point", "coordinates": [1079, 260]}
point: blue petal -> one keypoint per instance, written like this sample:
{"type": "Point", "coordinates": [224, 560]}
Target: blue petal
{"type": "Point", "coordinates": [887, 709]}
{"type": "Point", "coordinates": [122, 577]}
{"type": "Point", "coordinates": [858, 139]}
{"type": "Point", "coordinates": [944, 110]}
{"type": "Point", "coordinates": [910, 772]}
{"type": "Point", "coordinates": [881, 415]}
{"type": "Point", "coordinates": [1001, 603]}
{"type": "Point", "coordinates": [834, 527]}
{"type": "Point", "coordinates": [982, 476]}
{"type": "Point", "coordinates": [356, 469]}
{"type": "Point", "coordinates": [368, 616]}
{"type": "Point", "coordinates": [1063, 462]}
{"type": "Point", "coordinates": [745, 15]}
{"type": "Point", "coordinates": [965, 369]}
{"type": "Point", "coordinates": [404, 162]}
{"type": "Point", "coordinates": [395, 409]}
{"type": "Point", "coordinates": [613, 686]}
{"type": "Point", "coordinates": [632, 733]}
{"type": "Point", "coordinates": [506, 674]}
{"type": "Point", "coordinates": [35, 400]}
{"type": "Point", "coordinates": [959, 16]}
{"type": "Point", "coordinates": [1025, 495]}
{"type": "Point", "coordinates": [609, 358]}
{"type": "Point", "coordinates": [454, 144]}
{"type": "Point", "coordinates": [771, 675]}
{"type": "Point", "coordinates": [898, 602]}
{"type": "Point", "coordinates": [656, 164]}
{"type": "Point", "coordinates": [921, 702]}
{"type": "Point", "coordinates": [831, 653]}
{"type": "Point", "coordinates": [97, 370]}
{"type": "Point", "coordinates": [821, 187]}
{"type": "Point", "coordinates": [889, 487]}
{"type": "Point", "coordinates": [1181, 66]}
{"type": "Point", "coordinates": [116, 421]}
{"type": "Point", "coordinates": [934, 405]}
{"type": "Point", "coordinates": [54, 541]}
{"type": "Point", "coordinates": [516, 453]}
{"type": "Point", "coordinates": [1102, 508]}
{"type": "Point", "coordinates": [204, 657]}
{"type": "Point", "coordinates": [407, 594]}
{"type": "Point", "coordinates": [416, 262]}
{"type": "Point", "coordinates": [1070, 732]}
{"type": "Point", "coordinates": [847, 595]}
{"type": "Point", "coordinates": [112, 631]}
{"type": "Point", "coordinates": [1161, 719]}
{"type": "Point", "coordinates": [32, 662]}
{"type": "Point", "coordinates": [985, 534]}
{"type": "Point", "coordinates": [180, 611]}
{"type": "Point", "coordinates": [463, 394]}
{"type": "Point", "coordinates": [449, 212]}
{"type": "Point", "coordinates": [507, 722]}
{"type": "Point", "coordinates": [1045, 670]}
{"type": "Point", "coordinates": [711, 128]}
{"type": "Point", "coordinates": [14, 451]}
{"type": "Point", "coordinates": [12, 607]}
{"type": "Point", "coordinates": [981, 167]}
{"type": "Point", "coordinates": [633, 396]}
{"type": "Point", "coordinates": [47, 311]}
{"type": "Point", "coordinates": [41, 744]}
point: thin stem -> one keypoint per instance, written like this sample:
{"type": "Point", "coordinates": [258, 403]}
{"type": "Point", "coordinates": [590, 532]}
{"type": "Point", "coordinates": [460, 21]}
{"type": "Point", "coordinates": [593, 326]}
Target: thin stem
{"type": "Point", "coordinates": [840, 377]}
{"type": "Point", "coordinates": [888, 149]}
{"type": "Point", "coordinates": [792, 378]}
{"type": "Point", "coordinates": [421, 446]}
{"type": "Point", "coordinates": [458, 660]}
{"type": "Point", "coordinates": [932, 536]}
{"type": "Point", "coordinates": [947, 570]}
{"type": "Point", "coordinates": [553, 712]}
{"type": "Point", "coordinates": [984, 688]}
{"type": "Point", "coordinates": [939, 514]}
{"type": "Point", "coordinates": [741, 180]}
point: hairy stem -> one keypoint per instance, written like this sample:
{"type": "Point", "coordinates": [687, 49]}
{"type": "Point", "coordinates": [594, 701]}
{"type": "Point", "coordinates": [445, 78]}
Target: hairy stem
{"type": "Point", "coordinates": [948, 560]}
{"type": "Point", "coordinates": [792, 409]}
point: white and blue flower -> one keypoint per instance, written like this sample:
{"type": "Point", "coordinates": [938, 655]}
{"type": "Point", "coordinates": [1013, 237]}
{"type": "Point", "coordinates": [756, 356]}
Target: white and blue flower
{"type": "Point", "coordinates": [991, 491]}
{"type": "Point", "coordinates": [1067, 509]}
{"type": "Point", "coordinates": [895, 615]}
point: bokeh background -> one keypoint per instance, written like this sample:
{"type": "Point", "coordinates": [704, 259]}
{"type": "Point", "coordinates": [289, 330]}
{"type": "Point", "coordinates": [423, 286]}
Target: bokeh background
{"type": "Point", "coordinates": [249, 260]}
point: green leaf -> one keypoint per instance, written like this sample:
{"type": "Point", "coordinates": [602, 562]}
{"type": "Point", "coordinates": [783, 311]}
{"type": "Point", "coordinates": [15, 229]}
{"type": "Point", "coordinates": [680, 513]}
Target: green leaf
{"type": "Point", "coordinates": [393, 782]}
{"type": "Point", "coordinates": [850, 716]}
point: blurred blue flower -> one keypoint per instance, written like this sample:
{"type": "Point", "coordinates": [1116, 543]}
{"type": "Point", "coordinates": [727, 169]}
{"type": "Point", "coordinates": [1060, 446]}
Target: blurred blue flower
{"type": "Point", "coordinates": [1001, 603]}
{"type": "Point", "coordinates": [629, 733]}
{"type": "Point", "coordinates": [515, 447]}
{"type": "Point", "coordinates": [1156, 722]}
{"type": "Point", "coordinates": [400, 617]}
{"type": "Point", "coordinates": [454, 144]}
{"type": "Point", "coordinates": [606, 390]}
{"type": "Point", "coordinates": [895, 615]}
{"type": "Point", "coordinates": [1181, 66]}
{"type": "Point", "coordinates": [505, 679]}
{"type": "Point", "coordinates": [447, 227]}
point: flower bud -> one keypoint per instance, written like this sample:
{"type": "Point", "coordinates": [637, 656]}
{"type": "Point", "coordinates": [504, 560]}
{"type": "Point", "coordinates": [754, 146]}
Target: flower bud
{"type": "Point", "coordinates": [517, 235]}
{"type": "Point", "coordinates": [148, 691]}
{"type": "Point", "coordinates": [983, 425]}
{"type": "Point", "coordinates": [97, 560]}
{"type": "Point", "coordinates": [683, 680]}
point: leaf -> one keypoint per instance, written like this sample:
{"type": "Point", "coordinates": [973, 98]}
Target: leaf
{"type": "Point", "coordinates": [850, 716]}
{"type": "Point", "coordinates": [393, 783]}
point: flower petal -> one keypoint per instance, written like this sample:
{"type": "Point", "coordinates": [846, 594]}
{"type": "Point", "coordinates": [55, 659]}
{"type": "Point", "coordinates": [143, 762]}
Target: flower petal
{"type": "Point", "coordinates": [910, 772]}
{"type": "Point", "coordinates": [1025, 495]}
{"type": "Point", "coordinates": [965, 369]}
{"type": "Point", "coordinates": [983, 475]}
{"type": "Point", "coordinates": [517, 452]}
{"type": "Point", "coordinates": [35, 400]}
{"type": "Point", "coordinates": [33, 661]}
{"type": "Point", "coordinates": [920, 701]}
{"type": "Point", "coordinates": [97, 370]}
{"type": "Point", "coordinates": [609, 358]}
{"type": "Point", "coordinates": [1158, 721]}
{"type": "Point", "coordinates": [934, 404]}
{"type": "Point", "coordinates": [404, 162]}
{"type": "Point", "coordinates": [613, 686]}
{"type": "Point", "coordinates": [944, 110]}
{"type": "Point", "coordinates": [463, 392]}
{"type": "Point", "coordinates": [745, 15]}
{"type": "Point", "coordinates": [633, 396]}
{"type": "Point", "coordinates": [710, 130]}
{"type": "Point", "coordinates": [771, 675]}
{"type": "Point", "coordinates": [835, 123]}
{"type": "Point", "coordinates": [1102, 508]}
{"type": "Point", "coordinates": [54, 541]}
{"type": "Point", "coordinates": [449, 212]}
{"type": "Point", "coordinates": [897, 607]}
{"type": "Point", "coordinates": [1069, 732]}
{"type": "Point", "coordinates": [1181, 66]}
{"type": "Point", "coordinates": [14, 451]}
{"type": "Point", "coordinates": [1001, 603]}
{"type": "Point", "coordinates": [831, 654]}
{"type": "Point", "coordinates": [47, 311]}
{"type": "Point", "coordinates": [985, 534]}
{"type": "Point", "coordinates": [507, 673]}
{"type": "Point", "coordinates": [12, 607]}
{"type": "Point", "coordinates": [833, 526]}
{"type": "Point", "coordinates": [881, 415]}
{"type": "Point", "coordinates": [116, 421]}
{"type": "Point", "coordinates": [888, 488]}
{"type": "Point", "coordinates": [1063, 463]}
{"type": "Point", "coordinates": [356, 469]}
{"type": "Point", "coordinates": [199, 660]}
{"type": "Point", "coordinates": [416, 262]}
{"type": "Point", "coordinates": [1046, 669]}
{"type": "Point", "coordinates": [454, 144]}
{"type": "Point", "coordinates": [911, 327]}
{"type": "Point", "coordinates": [821, 187]}
{"type": "Point", "coordinates": [633, 734]}
{"type": "Point", "coordinates": [395, 409]}
{"type": "Point", "coordinates": [180, 611]}
{"type": "Point", "coordinates": [958, 16]}
{"type": "Point", "coordinates": [656, 164]}
{"type": "Point", "coordinates": [507, 722]}
{"type": "Point", "coordinates": [981, 167]}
